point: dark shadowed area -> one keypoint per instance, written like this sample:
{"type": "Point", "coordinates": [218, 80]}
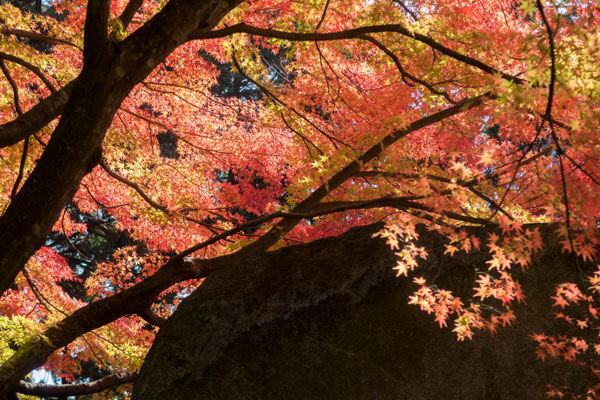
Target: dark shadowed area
{"type": "Point", "coordinates": [329, 320]}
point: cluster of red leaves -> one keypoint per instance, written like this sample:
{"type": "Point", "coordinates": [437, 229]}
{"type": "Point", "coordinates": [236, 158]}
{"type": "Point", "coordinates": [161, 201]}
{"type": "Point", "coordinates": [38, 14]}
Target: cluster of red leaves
{"type": "Point", "coordinates": [496, 288]}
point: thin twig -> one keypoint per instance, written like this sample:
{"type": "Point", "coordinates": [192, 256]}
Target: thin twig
{"type": "Point", "coordinates": [29, 66]}
{"type": "Point", "coordinates": [405, 74]}
{"type": "Point", "coordinates": [15, 90]}
{"type": "Point", "coordinates": [40, 37]}
{"type": "Point", "coordinates": [276, 100]}
{"type": "Point", "coordinates": [322, 16]}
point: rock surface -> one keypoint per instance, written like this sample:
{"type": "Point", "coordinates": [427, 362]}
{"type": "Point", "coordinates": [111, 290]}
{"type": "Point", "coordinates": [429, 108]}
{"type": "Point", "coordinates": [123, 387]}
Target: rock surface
{"type": "Point", "coordinates": [329, 320]}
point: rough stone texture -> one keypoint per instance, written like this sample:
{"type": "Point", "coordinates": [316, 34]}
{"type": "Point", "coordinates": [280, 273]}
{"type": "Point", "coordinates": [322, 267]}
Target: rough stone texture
{"type": "Point", "coordinates": [329, 320]}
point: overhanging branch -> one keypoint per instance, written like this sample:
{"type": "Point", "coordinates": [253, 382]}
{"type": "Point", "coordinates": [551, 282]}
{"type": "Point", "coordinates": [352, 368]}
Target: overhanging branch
{"type": "Point", "coordinates": [36, 118]}
{"type": "Point", "coordinates": [40, 37]}
{"type": "Point", "coordinates": [130, 301]}
{"type": "Point", "coordinates": [76, 389]}
{"type": "Point", "coordinates": [29, 66]}
{"type": "Point", "coordinates": [318, 210]}
{"type": "Point", "coordinates": [467, 185]}
{"type": "Point", "coordinates": [355, 33]}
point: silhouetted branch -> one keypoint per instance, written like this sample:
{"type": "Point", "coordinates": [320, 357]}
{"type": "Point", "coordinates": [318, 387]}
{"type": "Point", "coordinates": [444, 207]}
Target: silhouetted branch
{"type": "Point", "coordinates": [76, 389]}
{"type": "Point", "coordinates": [29, 66]}
{"type": "Point", "coordinates": [152, 318]}
{"type": "Point", "coordinates": [36, 118]}
{"type": "Point", "coordinates": [129, 12]}
{"type": "Point", "coordinates": [40, 37]}
{"type": "Point", "coordinates": [354, 34]}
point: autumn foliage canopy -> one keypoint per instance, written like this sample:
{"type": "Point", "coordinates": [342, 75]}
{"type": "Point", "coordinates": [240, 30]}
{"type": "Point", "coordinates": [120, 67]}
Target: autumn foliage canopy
{"type": "Point", "coordinates": [145, 144]}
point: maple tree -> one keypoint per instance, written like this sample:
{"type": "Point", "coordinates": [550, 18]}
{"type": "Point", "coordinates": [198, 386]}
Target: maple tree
{"type": "Point", "coordinates": [146, 144]}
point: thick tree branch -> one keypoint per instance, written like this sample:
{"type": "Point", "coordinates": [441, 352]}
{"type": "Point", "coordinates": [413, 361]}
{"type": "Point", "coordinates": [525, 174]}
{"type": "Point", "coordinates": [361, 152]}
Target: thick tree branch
{"type": "Point", "coordinates": [355, 33]}
{"type": "Point", "coordinates": [130, 301]}
{"type": "Point", "coordinates": [129, 12]}
{"type": "Point", "coordinates": [152, 318]}
{"type": "Point", "coordinates": [318, 210]}
{"type": "Point", "coordinates": [76, 389]}
{"type": "Point", "coordinates": [172, 26]}
{"type": "Point", "coordinates": [36, 118]}
{"type": "Point", "coordinates": [403, 204]}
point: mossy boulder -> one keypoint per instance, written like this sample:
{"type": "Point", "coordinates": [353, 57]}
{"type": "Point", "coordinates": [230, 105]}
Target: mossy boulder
{"type": "Point", "coordinates": [330, 320]}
